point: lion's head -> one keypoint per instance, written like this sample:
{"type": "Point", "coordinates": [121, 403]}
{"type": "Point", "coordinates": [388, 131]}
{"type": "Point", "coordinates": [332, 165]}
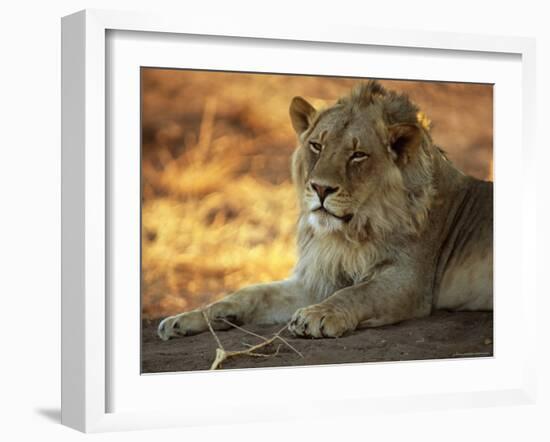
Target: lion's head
{"type": "Point", "coordinates": [363, 167]}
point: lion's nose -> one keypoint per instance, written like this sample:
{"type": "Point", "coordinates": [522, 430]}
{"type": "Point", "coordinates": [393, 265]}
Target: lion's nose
{"type": "Point", "coordinates": [323, 191]}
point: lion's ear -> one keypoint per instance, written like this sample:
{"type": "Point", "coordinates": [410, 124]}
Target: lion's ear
{"type": "Point", "coordinates": [301, 114]}
{"type": "Point", "coordinates": [404, 141]}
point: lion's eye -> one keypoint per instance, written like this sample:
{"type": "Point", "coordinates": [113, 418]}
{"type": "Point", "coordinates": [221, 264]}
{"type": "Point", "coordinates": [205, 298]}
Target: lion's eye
{"type": "Point", "coordinates": [315, 147]}
{"type": "Point", "coordinates": [358, 156]}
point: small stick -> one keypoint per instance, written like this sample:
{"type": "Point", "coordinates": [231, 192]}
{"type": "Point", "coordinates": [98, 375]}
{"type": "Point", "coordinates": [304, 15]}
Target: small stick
{"type": "Point", "coordinates": [243, 329]}
{"type": "Point", "coordinates": [290, 346]}
{"type": "Point", "coordinates": [264, 338]}
{"type": "Point", "coordinates": [222, 354]}
{"type": "Point", "coordinates": [211, 329]}
{"type": "Point", "coordinates": [264, 355]}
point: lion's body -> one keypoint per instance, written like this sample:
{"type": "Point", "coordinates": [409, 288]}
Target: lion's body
{"type": "Point", "coordinates": [463, 273]}
{"type": "Point", "coordinates": [389, 229]}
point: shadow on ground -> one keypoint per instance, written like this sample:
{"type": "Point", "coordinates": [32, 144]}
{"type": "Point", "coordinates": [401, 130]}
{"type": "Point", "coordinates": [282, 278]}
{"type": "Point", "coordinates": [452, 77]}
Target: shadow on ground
{"type": "Point", "coordinates": [51, 414]}
{"type": "Point", "coordinates": [442, 335]}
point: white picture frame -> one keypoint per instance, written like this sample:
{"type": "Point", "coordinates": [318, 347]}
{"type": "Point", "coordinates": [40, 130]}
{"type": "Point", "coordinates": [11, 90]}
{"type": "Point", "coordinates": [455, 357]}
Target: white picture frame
{"type": "Point", "coordinates": [87, 207]}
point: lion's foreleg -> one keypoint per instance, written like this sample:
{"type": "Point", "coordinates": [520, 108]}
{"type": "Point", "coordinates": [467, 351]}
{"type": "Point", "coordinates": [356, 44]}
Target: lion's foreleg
{"type": "Point", "coordinates": [386, 299]}
{"type": "Point", "coordinates": [268, 303]}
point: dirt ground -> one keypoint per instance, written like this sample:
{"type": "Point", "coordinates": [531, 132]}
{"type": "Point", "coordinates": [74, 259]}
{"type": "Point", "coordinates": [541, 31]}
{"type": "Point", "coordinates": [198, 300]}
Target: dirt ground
{"type": "Point", "coordinates": [442, 335]}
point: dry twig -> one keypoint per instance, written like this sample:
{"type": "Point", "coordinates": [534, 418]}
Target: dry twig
{"type": "Point", "coordinates": [222, 354]}
{"type": "Point", "coordinates": [277, 335]}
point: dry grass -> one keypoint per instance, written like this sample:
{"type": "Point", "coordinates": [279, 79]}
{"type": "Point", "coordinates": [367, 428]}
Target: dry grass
{"type": "Point", "coordinates": [218, 207]}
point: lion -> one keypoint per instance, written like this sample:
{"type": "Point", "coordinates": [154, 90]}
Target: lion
{"type": "Point", "coordinates": [388, 230]}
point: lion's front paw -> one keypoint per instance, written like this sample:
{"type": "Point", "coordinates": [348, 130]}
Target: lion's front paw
{"type": "Point", "coordinates": [321, 321]}
{"type": "Point", "coordinates": [184, 324]}
{"type": "Point", "coordinates": [220, 314]}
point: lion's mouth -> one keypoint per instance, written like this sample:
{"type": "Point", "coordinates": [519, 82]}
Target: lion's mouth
{"type": "Point", "coordinates": [345, 218]}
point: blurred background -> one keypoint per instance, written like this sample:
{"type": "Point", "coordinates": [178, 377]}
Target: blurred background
{"type": "Point", "coordinates": [218, 209]}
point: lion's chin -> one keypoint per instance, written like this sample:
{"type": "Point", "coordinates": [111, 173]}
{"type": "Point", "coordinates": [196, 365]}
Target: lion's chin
{"type": "Point", "coordinates": [323, 222]}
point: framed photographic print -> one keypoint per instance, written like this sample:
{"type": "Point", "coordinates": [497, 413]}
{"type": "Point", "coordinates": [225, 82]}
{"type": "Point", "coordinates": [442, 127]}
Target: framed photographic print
{"type": "Point", "coordinates": [220, 215]}
{"type": "Point", "coordinates": [253, 209]}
